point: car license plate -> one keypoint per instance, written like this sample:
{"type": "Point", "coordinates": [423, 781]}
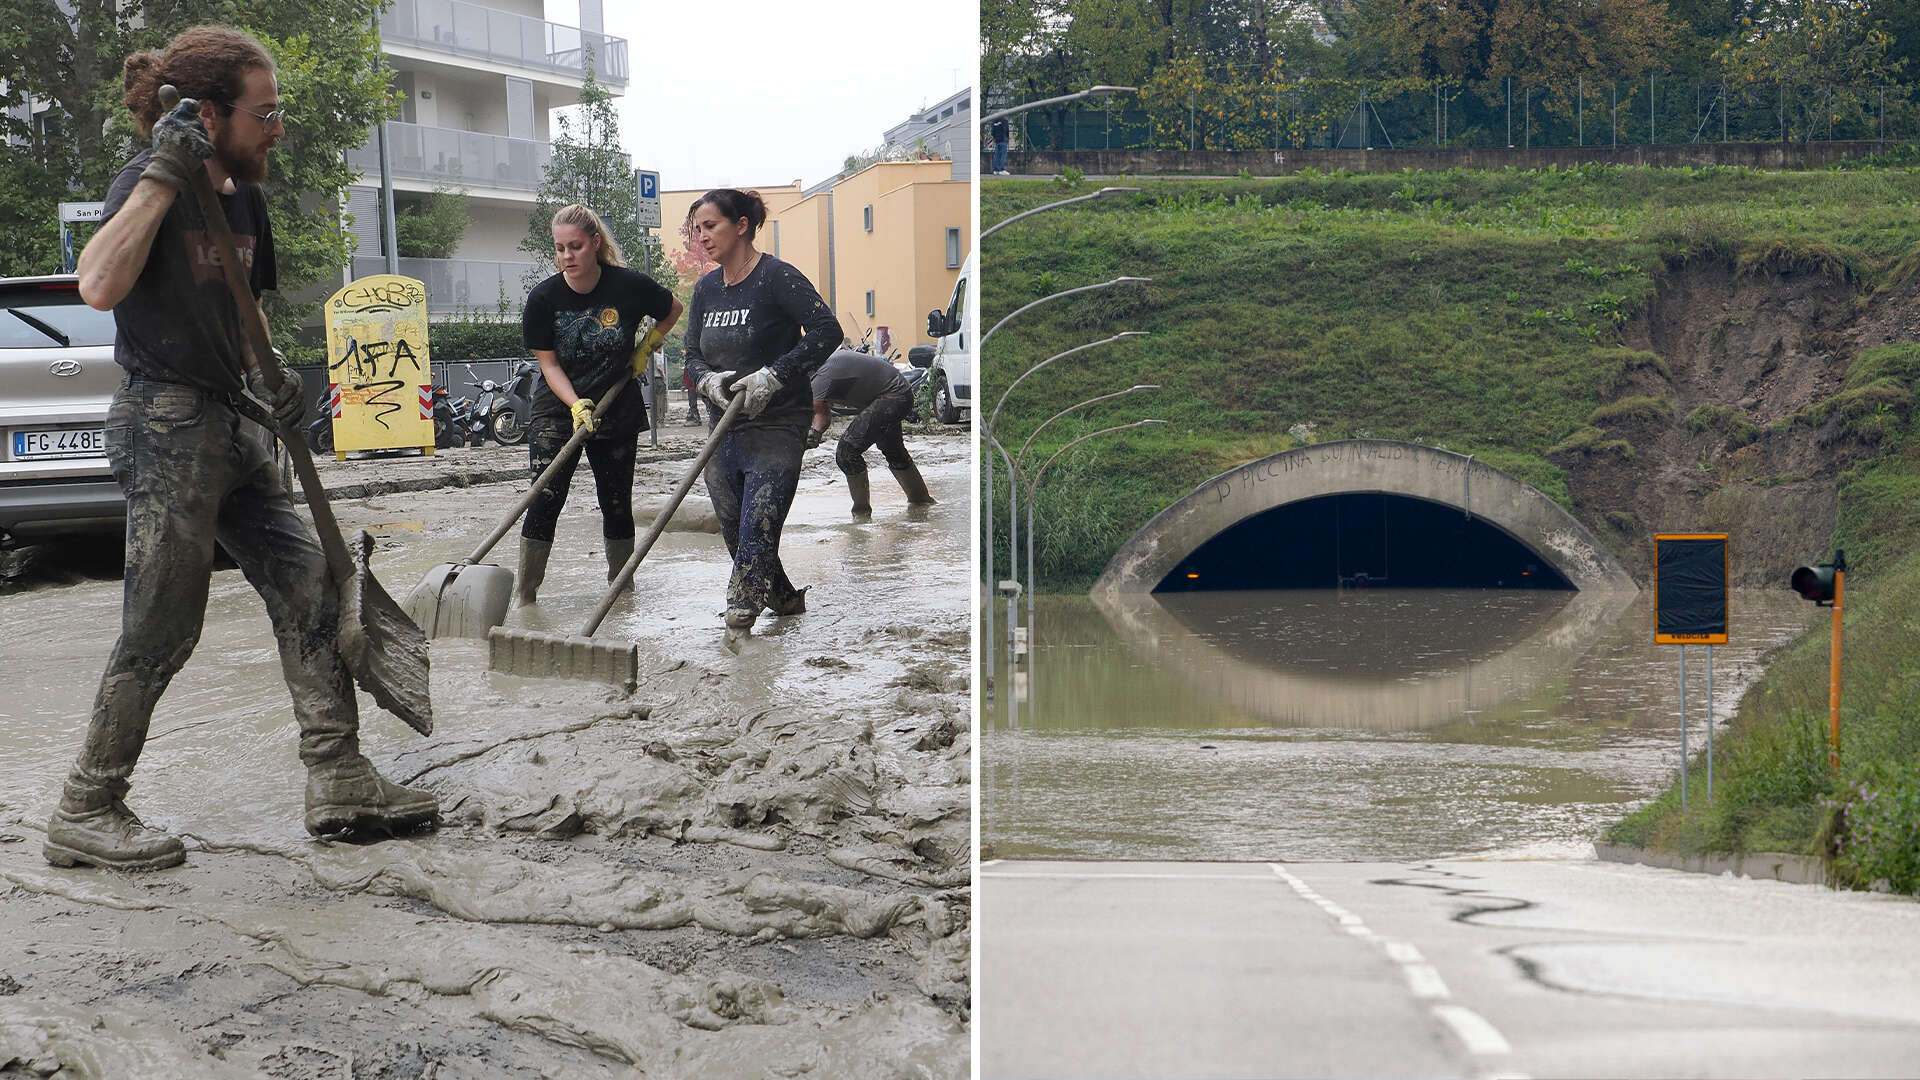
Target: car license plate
{"type": "Point", "coordinates": [59, 443]}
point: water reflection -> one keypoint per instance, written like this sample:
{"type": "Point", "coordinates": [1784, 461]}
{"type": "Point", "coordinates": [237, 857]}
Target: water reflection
{"type": "Point", "coordinates": [1366, 724]}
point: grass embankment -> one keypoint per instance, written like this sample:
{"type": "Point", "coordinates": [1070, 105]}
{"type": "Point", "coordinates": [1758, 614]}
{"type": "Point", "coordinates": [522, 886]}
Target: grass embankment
{"type": "Point", "coordinates": [1482, 311]}
{"type": "Point", "coordinates": [1489, 313]}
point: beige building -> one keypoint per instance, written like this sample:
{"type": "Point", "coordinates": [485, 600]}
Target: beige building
{"type": "Point", "coordinates": [897, 232]}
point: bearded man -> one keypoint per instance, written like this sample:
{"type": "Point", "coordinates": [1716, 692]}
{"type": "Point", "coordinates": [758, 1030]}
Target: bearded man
{"type": "Point", "coordinates": [193, 470]}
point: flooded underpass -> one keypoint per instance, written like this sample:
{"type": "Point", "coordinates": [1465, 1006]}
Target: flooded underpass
{"type": "Point", "coordinates": [754, 863]}
{"type": "Point", "coordinates": [1360, 724]}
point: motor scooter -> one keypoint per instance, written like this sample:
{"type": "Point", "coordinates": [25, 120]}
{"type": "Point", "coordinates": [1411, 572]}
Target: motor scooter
{"type": "Point", "coordinates": [506, 408]}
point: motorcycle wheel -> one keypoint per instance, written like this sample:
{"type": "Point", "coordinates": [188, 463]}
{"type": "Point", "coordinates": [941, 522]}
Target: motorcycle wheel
{"type": "Point", "coordinates": [506, 428]}
{"type": "Point", "coordinates": [321, 437]}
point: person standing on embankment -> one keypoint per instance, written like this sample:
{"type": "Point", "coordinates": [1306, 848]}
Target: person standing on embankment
{"type": "Point", "coordinates": [874, 386]}
{"type": "Point", "coordinates": [179, 442]}
{"type": "Point", "coordinates": [756, 327]}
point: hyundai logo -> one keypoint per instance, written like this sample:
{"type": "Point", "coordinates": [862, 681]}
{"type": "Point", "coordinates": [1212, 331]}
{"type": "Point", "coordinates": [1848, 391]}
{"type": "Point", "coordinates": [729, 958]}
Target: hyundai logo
{"type": "Point", "coordinates": [66, 369]}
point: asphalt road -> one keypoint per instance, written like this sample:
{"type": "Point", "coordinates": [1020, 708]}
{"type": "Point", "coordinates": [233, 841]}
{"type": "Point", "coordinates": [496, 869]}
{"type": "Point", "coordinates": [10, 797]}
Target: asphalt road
{"type": "Point", "coordinates": [1568, 968]}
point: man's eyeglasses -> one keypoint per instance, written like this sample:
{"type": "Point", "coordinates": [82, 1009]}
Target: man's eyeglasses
{"type": "Point", "coordinates": [277, 116]}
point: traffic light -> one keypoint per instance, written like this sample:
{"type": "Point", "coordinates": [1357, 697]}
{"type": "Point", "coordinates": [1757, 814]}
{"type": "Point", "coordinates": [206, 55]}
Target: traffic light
{"type": "Point", "coordinates": [1816, 583]}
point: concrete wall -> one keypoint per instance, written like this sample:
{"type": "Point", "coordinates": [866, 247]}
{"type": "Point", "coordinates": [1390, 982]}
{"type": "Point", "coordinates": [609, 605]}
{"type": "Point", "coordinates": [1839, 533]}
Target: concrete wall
{"type": "Point", "coordinates": [1758, 155]}
{"type": "Point", "coordinates": [1362, 465]}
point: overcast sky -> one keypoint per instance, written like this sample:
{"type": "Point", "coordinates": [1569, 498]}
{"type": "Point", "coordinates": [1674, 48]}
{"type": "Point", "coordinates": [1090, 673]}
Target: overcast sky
{"type": "Point", "coordinates": [758, 92]}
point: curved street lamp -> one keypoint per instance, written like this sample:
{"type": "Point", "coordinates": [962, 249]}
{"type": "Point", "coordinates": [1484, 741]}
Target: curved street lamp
{"type": "Point", "coordinates": [1022, 455]}
{"type": "Point", "coordinates": [1055, 296]}
{"type": "Point", "coordinates": [1089, 92]}
{"type": "Point", "coordinates": [1102, 193]}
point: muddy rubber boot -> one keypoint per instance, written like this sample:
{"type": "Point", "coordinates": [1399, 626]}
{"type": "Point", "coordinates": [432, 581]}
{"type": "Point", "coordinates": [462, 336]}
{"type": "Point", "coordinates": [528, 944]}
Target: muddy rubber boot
{"type": "Point", "coordinates": [916, 488]}
{"type": "Point", "coordinates": [739, 626]}
{"type": "Point", "coordinates": [794, 604]}
{"type": "Point", "coordinates": [533, 568]}
{"type": "Point", "coordinates": [618, 552]}
{"type": "Point", "coordinates": [93, 827]}
{"type": "Point", "coordinates": [862, 497]}
{"type": "Point", "coordinates": [347, 795]}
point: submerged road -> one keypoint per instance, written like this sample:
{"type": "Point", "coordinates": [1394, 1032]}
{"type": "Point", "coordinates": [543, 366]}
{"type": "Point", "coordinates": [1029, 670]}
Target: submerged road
{"type": "Point", "coordinates": [1469, 968]}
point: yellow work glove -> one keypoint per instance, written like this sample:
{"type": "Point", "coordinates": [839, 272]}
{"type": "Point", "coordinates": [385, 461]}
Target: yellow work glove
{"type": "Point", "coordinates": [643, 352]}
{"type": "Point", "coordinates": [583, 415]}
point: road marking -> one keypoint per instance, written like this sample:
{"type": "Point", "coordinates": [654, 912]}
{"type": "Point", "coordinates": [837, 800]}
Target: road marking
{"type": "Point", "coordinates": [1480, 1038]}
{"type": "Point", "coordinates": [1064, 876]}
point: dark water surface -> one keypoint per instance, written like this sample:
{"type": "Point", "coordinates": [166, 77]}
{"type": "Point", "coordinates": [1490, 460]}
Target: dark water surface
{"type": "Point", "coordinates": [1369, 724]}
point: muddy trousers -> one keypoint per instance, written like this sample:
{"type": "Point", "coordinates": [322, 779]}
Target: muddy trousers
{"type": "Point", "coordinates": [877, 425]}
{"type": "Point", "coordinates": [751, 479]}
{"type": "Point", "coordinates": [610, 454]}
{"type": "Point", "coordinates": [195, 470]}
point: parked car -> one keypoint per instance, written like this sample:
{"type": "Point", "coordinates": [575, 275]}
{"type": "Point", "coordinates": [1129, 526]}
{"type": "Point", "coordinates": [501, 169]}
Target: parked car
{"type": "Point", "coordinates": [951, 376]}
{"type": "Point", "coordinates": [57, 377]}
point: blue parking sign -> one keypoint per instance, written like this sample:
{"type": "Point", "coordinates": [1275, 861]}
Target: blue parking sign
{"type": "Point", "coordinates": [648, 184]}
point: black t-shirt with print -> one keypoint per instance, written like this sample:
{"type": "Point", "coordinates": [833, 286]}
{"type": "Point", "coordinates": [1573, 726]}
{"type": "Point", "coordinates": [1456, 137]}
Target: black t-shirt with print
{"type": "Point", "coordinates": [178, 323]}
{"type": "Point", "coordinates": [757, 323]}
{"type": "Point", "coordinates": [592, 335]}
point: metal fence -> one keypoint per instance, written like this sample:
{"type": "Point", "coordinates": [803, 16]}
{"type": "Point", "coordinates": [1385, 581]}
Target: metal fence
{"type": "Point", "coordinates": [463, 286]}
{"type": "Point", "coordinates": [1413, 113]}
{"type": "Point", "coordinates": [457, 157]}
{"type": "Point", "coordinates": [488, 33]}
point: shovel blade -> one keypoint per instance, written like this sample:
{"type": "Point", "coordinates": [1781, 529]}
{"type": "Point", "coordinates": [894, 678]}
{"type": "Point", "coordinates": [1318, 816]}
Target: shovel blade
{"type": "Point", "coordinates": [540, 655]}
{"type": "Point", "coordinates": [384, 650]}
{"type": "Point", "coordinates": [456, 600]}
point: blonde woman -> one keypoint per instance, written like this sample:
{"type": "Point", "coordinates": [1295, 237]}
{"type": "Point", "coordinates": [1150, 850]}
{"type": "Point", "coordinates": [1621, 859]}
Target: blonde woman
{"type": "Point", "coordinates": [581, 324]}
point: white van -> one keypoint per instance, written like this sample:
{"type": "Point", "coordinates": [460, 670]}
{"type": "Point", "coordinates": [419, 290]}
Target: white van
{"type": "Point", "coordinates": [951, 376]}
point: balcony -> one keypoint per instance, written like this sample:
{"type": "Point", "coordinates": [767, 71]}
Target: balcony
{"type": "Point", "coordinates": [454, 26]}
{"type": "Point", "coordinates": [462, 286]}
{"type": "Point", "coordinates": [463, 158]}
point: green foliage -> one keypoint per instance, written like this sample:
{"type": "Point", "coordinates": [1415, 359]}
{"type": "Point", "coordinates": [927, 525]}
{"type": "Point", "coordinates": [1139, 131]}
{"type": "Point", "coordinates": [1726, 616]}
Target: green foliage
{"type": "Point", "coordinates": [475, 339]}
{"type": "Point", "coordinates": [1725, 418]}
{"type": "Point", "coordinates": [432, 227]}
{"type": "Point", "coordinates": [588, 167]}
{"type": "Point", "coordinates": [1632, 410]}
{"type": "Point", "coordinates": [1876, 837]}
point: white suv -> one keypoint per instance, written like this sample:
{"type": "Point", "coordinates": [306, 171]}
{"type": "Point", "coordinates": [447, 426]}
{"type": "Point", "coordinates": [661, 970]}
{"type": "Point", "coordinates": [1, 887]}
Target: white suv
{"type": "Point", "coordinates": [57, 378]}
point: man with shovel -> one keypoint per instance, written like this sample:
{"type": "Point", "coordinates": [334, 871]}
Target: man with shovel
{"type": "Point", "coordinates": [179, 441]}
{"type": "Point", "coordinates": [873, 385]}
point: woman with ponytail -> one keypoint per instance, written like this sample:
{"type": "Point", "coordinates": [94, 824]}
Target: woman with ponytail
{"type": "Point", "coordinates": [581, 325]}
{"type": "Point", "coordinates": [760, 329]}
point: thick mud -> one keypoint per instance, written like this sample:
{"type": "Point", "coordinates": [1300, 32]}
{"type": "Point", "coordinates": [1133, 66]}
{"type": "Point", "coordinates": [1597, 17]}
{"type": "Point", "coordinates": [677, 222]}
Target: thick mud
{"type": "Point", "coordinates": [754, 865]}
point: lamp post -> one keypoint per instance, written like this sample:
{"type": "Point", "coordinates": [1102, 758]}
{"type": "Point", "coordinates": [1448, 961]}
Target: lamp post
{"type": "Point", "coordinates": [1089, 92]}
{"type": "Point", "coordinates": [1101, 194]}
{"type": "Point", "coordinates": [1055, 296]}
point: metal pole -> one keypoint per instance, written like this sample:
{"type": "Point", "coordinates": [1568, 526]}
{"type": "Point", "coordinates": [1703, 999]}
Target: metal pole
{"type": "Point", "coordinates": [1509, 112]}
{"type": "Point", "coordinates": [1709, 723]}
{"type": "Point", "coordinates": [1031, 636]}
{"type": "Point", "coordinates": [1581, 111]}
{"type": "Point", "coordinates": [1683, 729]}
{"type": "Point", "coordinates": [1614, 123]}
{"type": "Point", "coordinates": [1650, 141]}
{"type": "Point", "coordinates": [1833, 668]}
{"type": "Point", "coordinates": [389, 237]}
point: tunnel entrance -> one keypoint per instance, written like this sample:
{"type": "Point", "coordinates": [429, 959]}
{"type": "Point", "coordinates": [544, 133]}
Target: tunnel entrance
{"type": "Point", "coordinates": [1361, 540]}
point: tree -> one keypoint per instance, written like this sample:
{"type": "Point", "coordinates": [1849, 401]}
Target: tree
{"type": "Point", "coordinates": [70, 57]}
{"type": "Point", "coordinates": [1833, 54]}
{"type": "Point", "coordinates": [432, 227]}
{"type": "Point", "coordinates": [588, 167]}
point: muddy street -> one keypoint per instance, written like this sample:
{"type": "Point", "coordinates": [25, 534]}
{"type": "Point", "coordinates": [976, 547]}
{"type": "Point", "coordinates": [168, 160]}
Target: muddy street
{"type": "Point", "coordinates": [757, 864]}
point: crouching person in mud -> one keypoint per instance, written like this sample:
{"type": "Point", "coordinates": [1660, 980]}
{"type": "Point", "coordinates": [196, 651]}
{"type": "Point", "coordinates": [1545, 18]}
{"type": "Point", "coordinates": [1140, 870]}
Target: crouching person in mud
{"type": "Point", "coordinates": [874, 386]}
{"type": "Point", "coordinates": [180, 440]}
{"type": "Point", "coordinates": [745, 335]}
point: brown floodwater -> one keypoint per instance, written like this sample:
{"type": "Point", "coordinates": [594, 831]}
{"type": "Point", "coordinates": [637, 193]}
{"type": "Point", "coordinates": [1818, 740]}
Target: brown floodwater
{"type": "Point", "coordinates": [1365, 724]}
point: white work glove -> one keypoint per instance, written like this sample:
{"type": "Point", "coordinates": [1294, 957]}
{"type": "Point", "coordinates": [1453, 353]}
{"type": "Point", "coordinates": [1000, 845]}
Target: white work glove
{"type": "Point", "coordinates": [180, 145]}
{"type": "Point", "coordinates": [759, 387]}
{"type": "Point", "coordinates": [286, 405]}
{"type": "Point", "coordinates": [713, 387]}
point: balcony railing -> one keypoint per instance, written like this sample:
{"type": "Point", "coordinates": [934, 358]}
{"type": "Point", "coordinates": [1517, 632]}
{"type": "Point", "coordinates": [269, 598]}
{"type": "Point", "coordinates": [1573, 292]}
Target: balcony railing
{"type": "Point", "coordinates": [476, 30]}
{"type": "Point", "coordinates": [456, 157]}
{"type": "Point", "coordinates": [463, 285]}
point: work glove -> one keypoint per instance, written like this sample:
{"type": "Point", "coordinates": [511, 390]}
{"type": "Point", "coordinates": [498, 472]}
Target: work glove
{"type": "Point", "coordinates": [713, 387]}
{"type": "Point", "coordinates": [286, 405]}
{"type": "Point", "coordinates": [643, 352]}
{"type": "Point", "coordinates": [814, 437]}
{"type": "Point", "coordinates": [583, 415]}
{"type": "Point", "coordinates": [759, 387]}
{"type": "Point", "coordinates": [180, 145]}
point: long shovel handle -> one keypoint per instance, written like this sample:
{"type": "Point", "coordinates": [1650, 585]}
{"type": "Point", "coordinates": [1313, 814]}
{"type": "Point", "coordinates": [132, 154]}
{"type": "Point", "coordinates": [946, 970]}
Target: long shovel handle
{"type": "Point", "coordinates": [666, 514]}
{"type": "Point", "coordinates": [540, 482]}
{"type": "Point", "coordinates": [339, 563]}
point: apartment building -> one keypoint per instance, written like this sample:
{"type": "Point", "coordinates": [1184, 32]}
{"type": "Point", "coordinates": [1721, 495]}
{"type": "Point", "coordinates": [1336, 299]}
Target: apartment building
{"type": "Point", "coordinates": [478, 82]}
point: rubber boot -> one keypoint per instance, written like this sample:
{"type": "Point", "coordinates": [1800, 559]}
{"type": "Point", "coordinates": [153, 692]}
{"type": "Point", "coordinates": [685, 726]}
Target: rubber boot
{"type": "Point", "coordinates": [533, 568]}
{"type": "Point", "coordinates": [793, 604]}
{"type": "Point", "coordinates": [916, 488]}
{"type": "Point", "coordinates": [93, 827]}
{"type": "Point", "coordinates": [739, 626]}
{"type": "Point", "coordinates": [862, 497]}
{"type": "Point", "coordinates": [345, 794]}
{"type": "Point", "coordinates": [618, 552]}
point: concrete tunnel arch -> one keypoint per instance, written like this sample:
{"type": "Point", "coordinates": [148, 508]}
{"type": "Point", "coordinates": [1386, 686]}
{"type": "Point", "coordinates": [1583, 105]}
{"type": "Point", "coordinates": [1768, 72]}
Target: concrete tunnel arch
{"type": "Point", "coordinates": [1363, 466]}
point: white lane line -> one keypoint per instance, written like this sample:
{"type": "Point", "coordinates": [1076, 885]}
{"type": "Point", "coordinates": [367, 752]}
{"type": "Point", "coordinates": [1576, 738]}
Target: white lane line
{"type": "Point", "coordinates": [1064, 876]}
{"type": "Point", "coordinates": [1479, 1036]}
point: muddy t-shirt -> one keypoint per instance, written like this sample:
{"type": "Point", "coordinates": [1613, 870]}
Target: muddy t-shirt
{"type": "Point", "coordinates": [758, 323]}
{"type": "Point", "coordinates": [850, 377]}
{"type": "Point", "coordinates": [592, 335]}
{"type": "Point", "coordinates": [178, 323]}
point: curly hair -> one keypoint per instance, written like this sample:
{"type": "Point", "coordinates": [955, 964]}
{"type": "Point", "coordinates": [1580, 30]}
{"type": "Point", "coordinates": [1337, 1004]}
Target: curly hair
{"type": "Point", "coordinates": [207, 63]}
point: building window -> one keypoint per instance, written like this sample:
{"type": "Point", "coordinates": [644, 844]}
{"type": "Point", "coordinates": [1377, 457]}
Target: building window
{"type": "Point", "coordinates": [953, 249]}
{"type": "Point", "coordinates": [866, 216]}
{"type": "Point", "coordinates": [869, 303]}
